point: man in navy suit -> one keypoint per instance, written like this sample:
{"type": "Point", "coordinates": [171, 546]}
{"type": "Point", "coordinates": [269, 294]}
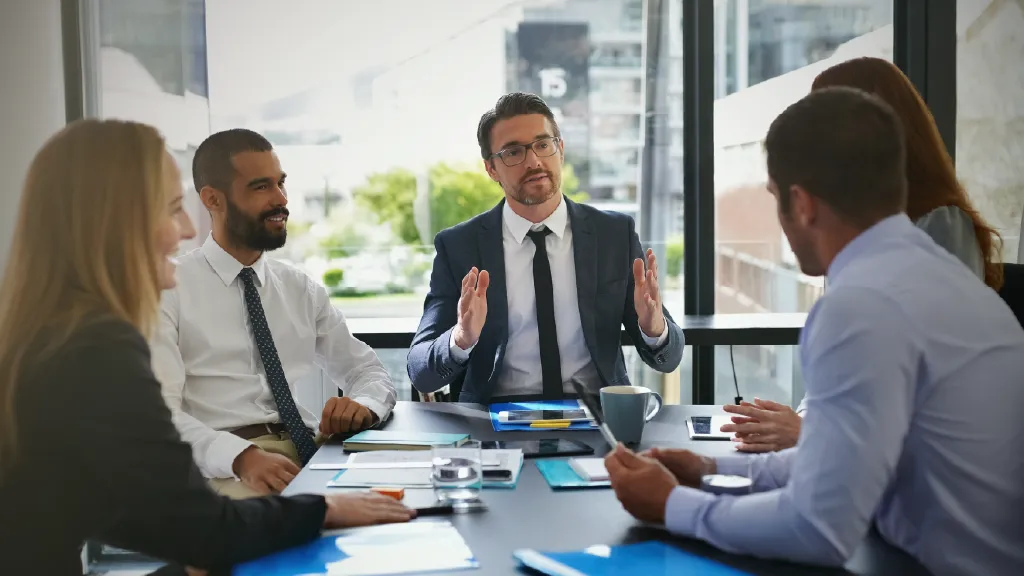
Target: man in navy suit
{"type": "Point", "coordinates": [531, 296]}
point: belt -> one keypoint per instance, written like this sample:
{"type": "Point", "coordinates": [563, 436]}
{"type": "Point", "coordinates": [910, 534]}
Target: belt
{"type": "Point", "coordinates": [256, 430]}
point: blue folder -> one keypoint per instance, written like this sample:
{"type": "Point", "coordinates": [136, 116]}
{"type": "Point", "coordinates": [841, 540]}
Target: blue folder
{"type": "Point", "coordinates": [416, 547]}
{"type": "Point", "coordinates": [649, 558]}
{"type": "Point", "coordinates": [542, 405]}
{"type": "Point", "coordinates": [560, 476]}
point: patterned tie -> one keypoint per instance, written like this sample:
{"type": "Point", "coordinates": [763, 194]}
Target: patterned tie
{"type": "Point", "coordinates": [550, 359]}
{"type": "Point", "coordinates": [286, 409]}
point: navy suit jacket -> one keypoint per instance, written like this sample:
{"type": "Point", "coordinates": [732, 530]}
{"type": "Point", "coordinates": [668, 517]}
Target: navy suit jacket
{"type": "Point", "coordinates": [604, 247]}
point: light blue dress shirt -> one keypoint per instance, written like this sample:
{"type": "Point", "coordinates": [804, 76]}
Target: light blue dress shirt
{"type": "Point", "coordinates": [914, 422]}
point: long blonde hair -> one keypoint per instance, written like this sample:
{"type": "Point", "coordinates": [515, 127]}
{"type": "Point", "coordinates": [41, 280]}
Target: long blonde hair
{"type": "Point", "coordinates": [84, 247]}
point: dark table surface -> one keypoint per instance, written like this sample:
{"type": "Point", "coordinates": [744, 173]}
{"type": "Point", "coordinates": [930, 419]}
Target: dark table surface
{"type": "Point", "coordinates": [534, 516]}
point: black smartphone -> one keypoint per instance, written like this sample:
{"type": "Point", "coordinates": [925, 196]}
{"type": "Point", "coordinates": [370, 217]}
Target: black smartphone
{"type": "Point", "coordinates": [497, 474]}
{"type": "Point", "coordinates": [540, 448]}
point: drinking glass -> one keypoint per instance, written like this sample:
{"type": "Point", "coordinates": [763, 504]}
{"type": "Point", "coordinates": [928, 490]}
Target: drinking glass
{"type": "Point", "coordinates": [457, 473]}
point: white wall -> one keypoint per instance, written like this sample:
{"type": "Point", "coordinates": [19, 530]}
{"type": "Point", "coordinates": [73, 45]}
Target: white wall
{"type": "Point", "coordinates": [31, 96]}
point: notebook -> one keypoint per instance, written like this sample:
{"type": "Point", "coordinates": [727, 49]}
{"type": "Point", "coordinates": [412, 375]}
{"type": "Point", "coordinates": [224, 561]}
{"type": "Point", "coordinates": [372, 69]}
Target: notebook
{"type": "Point", "coordinates": [416, 547]}
{"type": "Point", "coordinates": [642, 558]}
{"type": "Point", "coordinates": [590, 469]}
{"type": "Point", "coordinates": [559, 475]}
{"type": "Point", "coordinates": [419, 476]}
{"type": "Point", "coordinates": [494, 409]}
{"type": "Point", "coordinates": [388, 440]}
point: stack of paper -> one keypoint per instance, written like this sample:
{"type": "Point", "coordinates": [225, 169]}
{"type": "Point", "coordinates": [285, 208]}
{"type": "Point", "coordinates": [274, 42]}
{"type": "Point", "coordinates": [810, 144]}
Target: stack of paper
{"type": "Point", "coordinates": [413, 469]}
{"type": "Point", "coordinates": [379, 550]}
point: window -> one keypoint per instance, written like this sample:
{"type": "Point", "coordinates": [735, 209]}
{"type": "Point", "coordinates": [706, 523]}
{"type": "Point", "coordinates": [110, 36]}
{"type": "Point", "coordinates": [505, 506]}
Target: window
{"type": "Point", "coordinates": [766, 56]}
{"type": "Point", "coordinates": [990, 113]}
{"type": "Point", "coordinates": [372, 107]}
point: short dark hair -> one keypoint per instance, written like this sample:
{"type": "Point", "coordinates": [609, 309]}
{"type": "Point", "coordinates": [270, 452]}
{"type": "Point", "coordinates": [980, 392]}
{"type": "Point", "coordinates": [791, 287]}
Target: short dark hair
{"type": "Point", "coordinates": [510, 106]}
{"type": "Point", "coordinates": [211, 165]}
{"type": "Point", "coordinates": [845, 147]}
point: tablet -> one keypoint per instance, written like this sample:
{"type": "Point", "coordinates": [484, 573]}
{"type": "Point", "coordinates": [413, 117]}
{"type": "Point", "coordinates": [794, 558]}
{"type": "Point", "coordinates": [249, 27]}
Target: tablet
{"type": "Point", "coordinates": [708, 427]}
{"type": "Point", "coordinates": [528, 416]}
{"type": "Point", "coordinates": [541, 448]}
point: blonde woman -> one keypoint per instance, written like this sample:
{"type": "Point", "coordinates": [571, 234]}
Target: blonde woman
{"type": "Point", "coordinates": [87, 447]}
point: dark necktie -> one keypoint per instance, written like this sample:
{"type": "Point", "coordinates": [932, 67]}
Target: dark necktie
{"type": "Point", "coordinates": [550, 360]}
{"type": "Point", "coordinates": [286, 409]}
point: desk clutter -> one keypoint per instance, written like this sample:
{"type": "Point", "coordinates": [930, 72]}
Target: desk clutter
{"type": "Point", "coordinates": [442, 475]}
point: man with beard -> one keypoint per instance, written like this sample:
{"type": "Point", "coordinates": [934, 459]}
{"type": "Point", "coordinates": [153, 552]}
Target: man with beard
{"type": "Point", "coordinates": [241, 329]}
{"type": "Point", "coordinates": [531, 296]}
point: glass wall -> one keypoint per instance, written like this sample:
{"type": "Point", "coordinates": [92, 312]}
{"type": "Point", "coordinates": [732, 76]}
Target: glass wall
{"type": "Point", "coordinates": [373, 106]}
{"type": "Point", "coordinates": [767, 53]}
{"type": "Point", "coordinates": [990, 113]}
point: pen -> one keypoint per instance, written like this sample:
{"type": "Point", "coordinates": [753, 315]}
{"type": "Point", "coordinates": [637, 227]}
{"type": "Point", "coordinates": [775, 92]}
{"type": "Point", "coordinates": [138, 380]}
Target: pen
{"type": "Point", "coordinates": [550, 424]}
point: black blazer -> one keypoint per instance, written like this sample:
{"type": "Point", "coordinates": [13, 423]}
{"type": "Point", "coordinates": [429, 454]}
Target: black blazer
{"type": "Point", "coordinates": [99, 459]}
{"type": "Point", "coordinates": [604, 247]}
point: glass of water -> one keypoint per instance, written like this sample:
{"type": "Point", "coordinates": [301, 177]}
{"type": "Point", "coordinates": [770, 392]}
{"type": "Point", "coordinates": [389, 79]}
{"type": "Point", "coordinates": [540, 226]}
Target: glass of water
{"type": "Point", "coordinates": [457, 474]}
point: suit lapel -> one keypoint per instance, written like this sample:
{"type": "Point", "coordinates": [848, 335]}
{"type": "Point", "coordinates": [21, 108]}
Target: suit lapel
{"type": "Point", "coordinates": [492, 259]}
{"type": "Point", "coordinates": [584, 251]}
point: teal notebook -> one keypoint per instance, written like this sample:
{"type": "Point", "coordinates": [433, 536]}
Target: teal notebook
{"type": "Point", "coordinates": [560, 476]}
{"type": "Point", "coordinates": [642, 558]}
{"type": "Point", "coordinates": [395, 440]}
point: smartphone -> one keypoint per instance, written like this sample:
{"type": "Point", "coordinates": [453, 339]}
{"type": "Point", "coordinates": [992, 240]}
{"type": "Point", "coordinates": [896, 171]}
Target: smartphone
{"type": "Point", "coordinates": [708, 427]}
{"type": "Point", "coordinates": [540, 448]}
{"type": "Point", "coordinates": [535, 415]}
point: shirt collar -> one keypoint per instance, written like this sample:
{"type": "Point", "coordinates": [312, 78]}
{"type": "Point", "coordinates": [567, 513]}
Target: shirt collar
{"type": "Point", "coordinates": [519, 226]}
{"type": "Point", "coordinates": [881, 231]}
{"type": "Point", "coordinates": [225, 265]}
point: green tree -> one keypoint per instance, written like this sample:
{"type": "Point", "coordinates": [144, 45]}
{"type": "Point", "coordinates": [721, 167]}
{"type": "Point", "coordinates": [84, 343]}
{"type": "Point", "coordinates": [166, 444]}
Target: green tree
{"type": "Point", "coordinates": [674, 256]}
{"type": "Point", "coordinates": [333, 277]}
{"type": "Point", "coordinates": [457, 194]}
{"type": "Point", "coordinates": [390, 195]}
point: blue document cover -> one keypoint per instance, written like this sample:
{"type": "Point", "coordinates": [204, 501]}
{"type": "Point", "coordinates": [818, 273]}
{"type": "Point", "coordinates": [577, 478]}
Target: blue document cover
{"type": "Point", "coordinates": [650, 558]}
{"type": "Point", "coordinates": [416, 547]}
{"type": "Point", "coordinates": [560, 476]}
{"type": "Point", "coordinates": [543, 405]}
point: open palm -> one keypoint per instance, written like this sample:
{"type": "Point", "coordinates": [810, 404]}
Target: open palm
{"type": "Point", "coordinates": [472, 308]}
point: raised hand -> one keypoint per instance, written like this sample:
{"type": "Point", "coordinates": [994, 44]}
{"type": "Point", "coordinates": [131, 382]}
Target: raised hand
{"type": "Point", "coordinates": [472, 308]}
{"type": "Point", "coordinates": [647, 296]}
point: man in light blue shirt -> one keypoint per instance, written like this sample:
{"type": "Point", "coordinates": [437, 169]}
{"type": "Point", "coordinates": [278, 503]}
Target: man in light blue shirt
{"type": "Point", "coordinates": [914, 371]}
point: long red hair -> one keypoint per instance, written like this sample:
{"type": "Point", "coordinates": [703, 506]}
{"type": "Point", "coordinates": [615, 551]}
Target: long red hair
{"type": "Point", "coordinates": [931, 176]}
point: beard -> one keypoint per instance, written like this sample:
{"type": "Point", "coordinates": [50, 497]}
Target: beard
{"type": "Point", "coordinates": [252, 232]}
{"type": "Point", "coordinates": [533, 193]}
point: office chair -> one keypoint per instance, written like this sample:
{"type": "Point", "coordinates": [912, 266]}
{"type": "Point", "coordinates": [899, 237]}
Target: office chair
{"type": "Point", "coordinates": [1013, 289]}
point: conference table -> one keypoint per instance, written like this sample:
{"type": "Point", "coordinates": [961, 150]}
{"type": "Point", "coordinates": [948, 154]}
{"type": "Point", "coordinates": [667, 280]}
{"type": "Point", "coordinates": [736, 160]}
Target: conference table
{"type": "Point", "coordinates": [535, 516]}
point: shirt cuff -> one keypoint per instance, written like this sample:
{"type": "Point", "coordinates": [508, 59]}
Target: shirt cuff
{"type": "Point", "coordinates": [654, 342]}
{"type": "Point", "coordinates": [458, 354]}
{"type": "Point", "coordinates": [221, 455]}
{"type": "Point", "coordinates": [376, 406]}
{"type": "Point", "coordinates": [683, 509]}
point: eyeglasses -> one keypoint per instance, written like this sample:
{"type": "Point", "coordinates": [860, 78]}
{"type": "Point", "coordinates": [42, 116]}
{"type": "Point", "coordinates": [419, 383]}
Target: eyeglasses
{"type": "Point", "coordinates": [515, 155]}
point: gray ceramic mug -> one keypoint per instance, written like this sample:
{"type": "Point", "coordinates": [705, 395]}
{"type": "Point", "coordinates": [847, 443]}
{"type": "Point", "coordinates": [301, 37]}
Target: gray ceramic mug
{"type": "Point", "coordinates": [626, 410]}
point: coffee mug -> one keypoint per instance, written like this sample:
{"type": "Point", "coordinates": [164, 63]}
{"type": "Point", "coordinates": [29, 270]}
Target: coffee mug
{"type": "Point", "coordinates": [626, 410]}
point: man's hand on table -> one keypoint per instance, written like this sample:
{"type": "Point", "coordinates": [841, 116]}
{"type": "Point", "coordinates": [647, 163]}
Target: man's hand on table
{"type": "Point", "coordinates": [344, 415]}
{"type": "Point", "coordinates": [264, 472]}
{"type": "Point", "coordinates": [641, 484]}
{"type": "Point", "coordinates": [763, 426]}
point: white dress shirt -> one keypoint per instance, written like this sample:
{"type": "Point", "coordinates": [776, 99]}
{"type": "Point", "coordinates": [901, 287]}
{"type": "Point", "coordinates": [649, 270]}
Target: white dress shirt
{"type": "Point", "coordinates": [521, 369]}
{"type": "Point", "coordinates": [207, 360]}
